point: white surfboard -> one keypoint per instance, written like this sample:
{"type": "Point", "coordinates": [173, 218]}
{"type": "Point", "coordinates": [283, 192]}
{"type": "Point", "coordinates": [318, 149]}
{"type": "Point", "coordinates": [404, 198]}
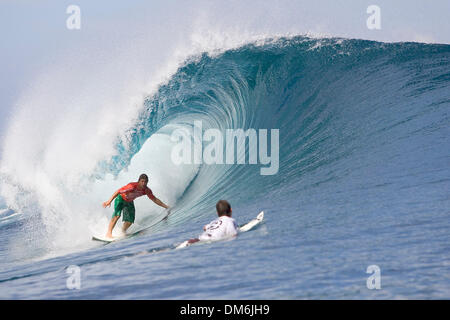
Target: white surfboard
{"type": "Point", "coordinates": [251, 224]}
{"type": "Point", "coordinates": [244, 228]}
{"type": "Point", "coordinates": [107, 240]}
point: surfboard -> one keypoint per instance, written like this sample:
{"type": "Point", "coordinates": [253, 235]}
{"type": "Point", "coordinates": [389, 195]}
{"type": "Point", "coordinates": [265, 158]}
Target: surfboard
{"type": "Point", "coordinates": [107, 240]}
{"type": "Point", "coordinates": [244, 228]}
{"type": "Point", "coordinates": [104, 239]}
{"type": "Point", "coordinates": [253, 223]}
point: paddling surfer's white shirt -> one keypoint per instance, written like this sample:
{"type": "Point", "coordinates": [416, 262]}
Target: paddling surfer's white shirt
{"type": "Point", "coordinates": [221, 228]}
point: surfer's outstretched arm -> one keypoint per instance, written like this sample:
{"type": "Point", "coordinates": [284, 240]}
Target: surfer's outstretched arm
{"type": "Point", "coordinates": [108, 203]}
{"type": "Point", "coordinates": [160, 203]}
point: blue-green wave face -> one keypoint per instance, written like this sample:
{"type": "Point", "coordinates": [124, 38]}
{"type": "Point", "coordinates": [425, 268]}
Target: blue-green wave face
{"type": "Point", "coordinates": [344, 108]}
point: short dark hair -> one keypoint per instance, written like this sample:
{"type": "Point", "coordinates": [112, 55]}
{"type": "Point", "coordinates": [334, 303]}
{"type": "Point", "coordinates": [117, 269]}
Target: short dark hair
{"type": "Point", "coordinates": [143, 177]}
{"type": "Point", "coordinates": [223, 207]}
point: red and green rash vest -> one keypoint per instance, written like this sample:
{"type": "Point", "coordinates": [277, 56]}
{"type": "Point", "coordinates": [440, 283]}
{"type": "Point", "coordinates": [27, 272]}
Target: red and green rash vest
{"type": "Point", "coordinates": [131, 192]}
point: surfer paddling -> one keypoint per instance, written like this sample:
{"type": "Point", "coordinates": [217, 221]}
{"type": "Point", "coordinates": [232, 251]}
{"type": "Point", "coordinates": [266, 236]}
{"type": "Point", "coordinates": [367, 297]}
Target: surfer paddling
{"type": "Point", "coordinates": [124, 202]}
{"type": "Point", "coordinates": [221, 228]}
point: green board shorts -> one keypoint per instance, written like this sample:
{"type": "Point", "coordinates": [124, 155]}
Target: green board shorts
{"type": "Point", "coordinates": [127, 208]}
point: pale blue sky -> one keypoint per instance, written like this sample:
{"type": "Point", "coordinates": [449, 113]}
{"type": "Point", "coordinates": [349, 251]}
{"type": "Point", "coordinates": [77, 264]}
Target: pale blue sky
{"type": "Point", "coordinates": [34, 33]}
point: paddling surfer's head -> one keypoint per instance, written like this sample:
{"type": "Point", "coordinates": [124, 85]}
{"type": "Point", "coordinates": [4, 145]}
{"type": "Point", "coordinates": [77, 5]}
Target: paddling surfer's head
{"type": "Point", "coordinates": [143, 180]}
{"type": "Point", "coordinates": [223, 208]}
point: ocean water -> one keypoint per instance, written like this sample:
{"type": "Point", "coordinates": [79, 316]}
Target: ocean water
{"type": "Point", "coordinates": [363, 179]}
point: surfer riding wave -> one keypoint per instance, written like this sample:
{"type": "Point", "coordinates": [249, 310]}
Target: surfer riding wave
{"type": "Point", "coordinates": [123, 203]}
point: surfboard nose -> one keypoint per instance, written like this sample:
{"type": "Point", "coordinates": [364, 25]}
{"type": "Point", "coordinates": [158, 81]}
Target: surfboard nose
{"type": "Point", "coordinates": [260, 216]}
